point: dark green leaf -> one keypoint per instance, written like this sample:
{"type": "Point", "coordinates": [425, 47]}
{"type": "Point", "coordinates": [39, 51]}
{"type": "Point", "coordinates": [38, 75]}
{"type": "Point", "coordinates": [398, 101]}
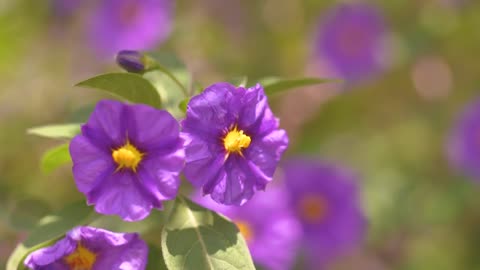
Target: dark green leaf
{"type": "Point", "coordinates": [25, 214]}
{"type": "Point", "coordinates": [130, 86]}
{"type": "Point", "coordinates": [62, 131]}
{"type": "Point", "coordinates": [55, 158]}
{"type": "Point", "coordinates": [49, 229]}
{"type": "Point", "coordinates": [274, 85]}
{"type": "Point", "coordinates": [197, 238]}
{"type": "Point", "coordinates": [155, 258]}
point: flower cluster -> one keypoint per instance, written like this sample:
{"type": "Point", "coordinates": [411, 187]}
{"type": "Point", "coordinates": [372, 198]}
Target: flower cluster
{"type": "Point", "coordinates": [128, 159]}
{"type": "Point", "coordinates": [317, 208]}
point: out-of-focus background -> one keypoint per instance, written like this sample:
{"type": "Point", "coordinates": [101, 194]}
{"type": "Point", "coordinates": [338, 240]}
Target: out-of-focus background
{"type": "Point", "coordinates": [390, 125]}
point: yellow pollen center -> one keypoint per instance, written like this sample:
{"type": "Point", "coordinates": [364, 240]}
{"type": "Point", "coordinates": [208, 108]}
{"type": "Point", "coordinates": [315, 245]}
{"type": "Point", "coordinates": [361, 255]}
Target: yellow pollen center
{"type": "Point", "coordinates": [236, 140]}
{"type": "Point", "coordinates": [127, 156]}
{"type": "Point", "coordinates": [313, 208]}
{"type": "Point", "coordinates": [245, 229]}
{"type": "Point", "coordinates": [81, 259]}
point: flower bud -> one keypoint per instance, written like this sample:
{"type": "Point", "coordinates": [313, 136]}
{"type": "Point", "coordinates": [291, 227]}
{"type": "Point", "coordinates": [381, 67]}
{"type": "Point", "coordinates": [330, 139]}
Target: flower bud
{"type": "Point", "coordinates": [131, 61]}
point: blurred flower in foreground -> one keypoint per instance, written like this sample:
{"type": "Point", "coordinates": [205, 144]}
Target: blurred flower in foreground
{"type": "Point", "coordinates": [325, 200]}
{"type": "Point", "coordinates": [130, 24]}
{"type": "Point", "coordinates": [464, 141]}
{"type": "Point", "coordinates": [128, 159]}
{"type": "Point", "coordinates": [269, 227]}
{"type": "Point", "coordinates": [92, 248]}
{"type": "Point", "coordinates": [234, 143]}
{"type": "Point", "coordinates": [351, 41]}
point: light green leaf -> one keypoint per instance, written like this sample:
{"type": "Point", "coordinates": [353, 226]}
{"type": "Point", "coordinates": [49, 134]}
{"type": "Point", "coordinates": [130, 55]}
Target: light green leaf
{"type": "Point", "coordinates": [197, 238]}
{"type": "Point", "coordinates": [25, 214]}
{"type": "Point", "coordinates": [275, 85]}
{"type": "Point", "coordinates": [55, 158]}
{"type": "Point", "coordinates": [49, 229]}
{"type": "Point", "coordinates": [62, 131]}
{"type": "Point", "coordinates": [183, 105]}
{"type": "Point", "coordinates": [172, 80]}
{"type": "Point", "coordinates": [239, 81]}
{"type": "Point", "coordinates": [129, 86]}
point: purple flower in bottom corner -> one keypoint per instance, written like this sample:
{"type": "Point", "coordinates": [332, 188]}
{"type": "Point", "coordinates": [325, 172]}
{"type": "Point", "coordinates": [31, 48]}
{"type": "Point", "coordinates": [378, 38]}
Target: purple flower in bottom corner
{"type": "Point", "coordinates": [130, 24]}
{"type": "Point", "coordinates": [128, 159]}
{"type": "Point", "coordinates": [271, 230]}
{"type": "Point", "coordinates": [350, 39]}
{"type": "Point", "coordinates": [233, 142]}
{"type": "Point", "coordinates": [88, 248]}
{"type": "Point", "coordinates": [464, 141]}
{"type": "Point", "coordinates": [325, 199]}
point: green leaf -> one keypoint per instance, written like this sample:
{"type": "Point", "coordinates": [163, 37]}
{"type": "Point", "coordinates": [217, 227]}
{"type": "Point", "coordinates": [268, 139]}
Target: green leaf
{"type": "Point", "coordinates": [62, 131]}
{"type": "Point", "coordinates": [275, 85]}
{"type": "Point", "coordinates": [197, 238]}
{"type": "Point", "coordinates": [49, 229]}
{"type": "Point", "coordinates": [130, 86]}
{"type": "Point", "coordinates": [239, 81]}
{"type": "Point", "coordinates": [55, 158]}
{"type": "Point", "coordinates": [171, 79]}
{"type": "Point", "coordinates": [25, 214]}
{"type": "Point", "coordinates": [183, 105]}
{"type": "Point", "coordinates": [155, 258]}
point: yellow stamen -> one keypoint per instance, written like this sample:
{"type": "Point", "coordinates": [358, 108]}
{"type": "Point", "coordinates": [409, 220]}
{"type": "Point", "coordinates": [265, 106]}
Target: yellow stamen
{"type": "Point", "coordinates": [245, 229]}
{"type": "Point", "coordinates": [81, 259]}
{"type": "Point", "coordinates": [313, 208]}
{"type": "Point", "coordinates": [127, 156]}
{"type": "Point", "coordinates": [235, 141]}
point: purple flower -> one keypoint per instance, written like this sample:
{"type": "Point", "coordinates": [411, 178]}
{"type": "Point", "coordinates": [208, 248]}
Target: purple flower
{"type": "Point", "coordinates": [127, 159]}
{"type": "Point", "coordinates": [233, 142]}
{"type": "Point", "coordinates": [464, 142]}
{"type": "Point", "coordinates": [93, 249]}
{"type": "Point", "coordinates": [271, 230]}
{"type": "Point", "coordinates": [325, 199]}
{"type": "Point", "coordinates": [350, 39]}
{"type": "Point", "coordinates": [130, 24]}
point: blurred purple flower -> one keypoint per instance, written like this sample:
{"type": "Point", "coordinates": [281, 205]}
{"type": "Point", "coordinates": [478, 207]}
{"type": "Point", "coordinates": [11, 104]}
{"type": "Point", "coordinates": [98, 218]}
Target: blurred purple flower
{"type": "Point", "coordinates": [233, 142]}
{"type": "Point", "coordinates": [325, 199]}
{"type": "Point", "coordinates": [464, 141]}
{"type": "Point", "coordinates": [351, 39]}
{"type": "Point", "coordinates": [128, 159]}
{"type": "Point", "coordinates": [91, 248]}
{"type": "Point", "coordinates": [271, 230]}
{"type": "Point", "coordinates": [130, 25]}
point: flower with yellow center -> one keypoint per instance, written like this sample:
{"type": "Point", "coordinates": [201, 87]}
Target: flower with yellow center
{"type": "Point", "coordinates": [127, 156]}
{"type": "Point", "coordinates": [313, 208]}
{"type": "Point", "coordinates": [235, 141]}
{"type": "Point", "coordinates": [81, 259]}
{"type": "Point", "coordinates": [245, 229]}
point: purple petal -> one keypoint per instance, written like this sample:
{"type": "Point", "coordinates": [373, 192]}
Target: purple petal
{"type": "Point", "coordinates": [149, 128]}
{"type": "Point", "coordinates": [160, 174]}
{"type": "Point", "coordinates": [90, 165]}
{"type": "Point", "coordinates": [106, 125]}
{"type": "Point", "coordinates": [50, 256]}
{"type": "Point", "coordinates": [234, 184]}
{"type": "Point", "coordinates": [122, 194]}
{"type": "Point", "coordinates": [265, 153]}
